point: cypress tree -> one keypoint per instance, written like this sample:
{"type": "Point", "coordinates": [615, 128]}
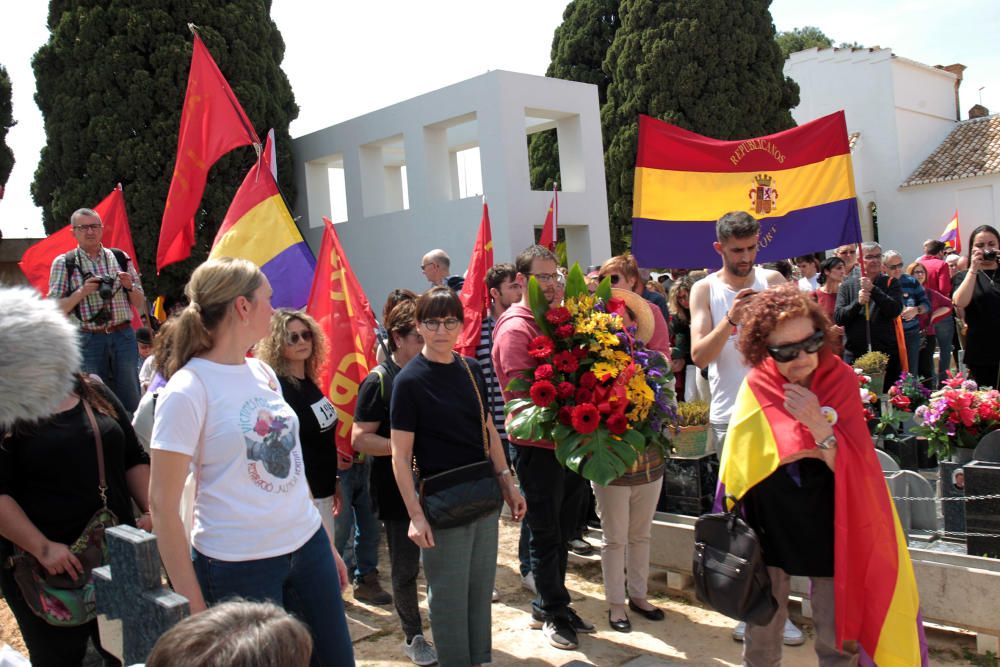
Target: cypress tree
{"type": "Point", "coordinates": [110, 84]}
{"type": "Point", "coordinates": [710, 66]}
{"type": "Point", "coordinates": [579, 47]}
{"type": "Point", "coordinates": [6, 122]}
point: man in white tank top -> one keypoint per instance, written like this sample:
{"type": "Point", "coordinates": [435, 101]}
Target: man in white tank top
{"type": "Point", "coordinates": [717, 304]}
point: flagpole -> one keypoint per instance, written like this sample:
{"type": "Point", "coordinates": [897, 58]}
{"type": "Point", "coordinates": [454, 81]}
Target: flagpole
{"type": "Point", "coordinates": [868, 314]}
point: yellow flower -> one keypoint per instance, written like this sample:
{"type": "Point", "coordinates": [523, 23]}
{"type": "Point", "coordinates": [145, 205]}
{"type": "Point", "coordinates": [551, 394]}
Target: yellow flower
{"type": "Point", "coordinates": [603, 369]}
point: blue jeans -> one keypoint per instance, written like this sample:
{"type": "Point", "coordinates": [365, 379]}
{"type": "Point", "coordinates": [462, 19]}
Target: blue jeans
{"type": "Point", "coordinates": [304, 582]}
{"type": "Point", "coordinates": [944, 331]}
{"type": "Point", "coordinates": [358, 519]}
{"type": "Point", "coordinates": [912, 339]}
{"type": "Point", "coordinates": [113, 357]}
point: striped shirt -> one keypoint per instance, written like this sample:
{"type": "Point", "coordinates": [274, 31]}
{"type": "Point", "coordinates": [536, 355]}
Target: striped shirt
{"type": "Point", "coordinates": [61, 286]}
{"type": "Point", "coordinates": [483, 352]}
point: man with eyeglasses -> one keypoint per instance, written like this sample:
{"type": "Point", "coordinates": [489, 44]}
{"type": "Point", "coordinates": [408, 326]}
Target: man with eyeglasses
{"type": "Point", "coordinates": [98, 287]}
{"type": "Point", "coordinates": [849, 253]}
{"type": "Point", "coordinates": [555, 495]}
{"type": "Point", "coordinates": [435, 266]}
{"type": "Point", "coordinates": [876, 330]}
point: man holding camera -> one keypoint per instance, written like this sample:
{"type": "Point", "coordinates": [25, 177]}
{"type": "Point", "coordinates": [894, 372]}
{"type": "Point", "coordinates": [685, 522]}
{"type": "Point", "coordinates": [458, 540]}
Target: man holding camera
{"type": "Point", "coordinates": [98, 287]}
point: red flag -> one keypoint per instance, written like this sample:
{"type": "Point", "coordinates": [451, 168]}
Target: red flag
{"type": "Point", "coordinates": [345, 316]}
{"type": "Point", "coordinates": [475, 298]}
{"type": "Point", "coordinates": [37, 261]}
{"type": "Point", "coordinates": [548, 237]}
{"type": "Point", "coordinates": [212, 124]}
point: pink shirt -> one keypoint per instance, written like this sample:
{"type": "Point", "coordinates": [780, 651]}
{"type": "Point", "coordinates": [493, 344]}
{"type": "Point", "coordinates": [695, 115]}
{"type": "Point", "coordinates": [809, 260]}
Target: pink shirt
{"type": "Point", "coordinates": [938, 276]}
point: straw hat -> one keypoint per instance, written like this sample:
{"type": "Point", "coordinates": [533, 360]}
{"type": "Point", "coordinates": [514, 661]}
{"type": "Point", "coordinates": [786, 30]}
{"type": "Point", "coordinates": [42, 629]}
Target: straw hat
{"type": "Point", "coordinates": [644, 322]}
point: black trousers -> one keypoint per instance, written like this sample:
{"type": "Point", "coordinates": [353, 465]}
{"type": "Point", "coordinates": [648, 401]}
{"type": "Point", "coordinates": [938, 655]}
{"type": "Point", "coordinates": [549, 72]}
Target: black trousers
{"type": "Point", "coordinates": [555, 498]}
{"type": "Point", "coordinates": [404, 566]}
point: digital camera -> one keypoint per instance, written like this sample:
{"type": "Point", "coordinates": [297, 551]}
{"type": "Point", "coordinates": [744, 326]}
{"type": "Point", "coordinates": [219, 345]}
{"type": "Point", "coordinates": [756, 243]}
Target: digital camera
{"type": "Point", "coordinates": [106, 288]}
{"type": "Point", "coordinates": [990, 256]}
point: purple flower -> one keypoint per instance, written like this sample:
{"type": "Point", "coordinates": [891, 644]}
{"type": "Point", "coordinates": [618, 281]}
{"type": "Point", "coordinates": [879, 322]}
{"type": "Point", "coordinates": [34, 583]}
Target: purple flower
{"type": "Point", "coordinates": [920, 414]}
{"type": "Point", "coordinates": [970, 385]}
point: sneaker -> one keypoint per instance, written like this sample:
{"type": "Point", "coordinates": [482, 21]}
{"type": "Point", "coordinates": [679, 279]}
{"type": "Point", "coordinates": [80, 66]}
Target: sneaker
{"type": "Point", "coordinates": [528, 582]}
{"type": "Point", "coordinates": [740, 631]}
{"type": "Point", "coordinates": [560, 634]}
{"type": "Point", "coordinates": [496, 595]}
{"type": "Point", "coordinates": [792, 635]}
{"type": "Point", "coordinates": [580, 547]}
{"type": "Point", "coordinates": [580, 625]}
{"type": "Point", "coordinates": [420, 651]}
{"type": "Point", "coordinates": [368, 589]}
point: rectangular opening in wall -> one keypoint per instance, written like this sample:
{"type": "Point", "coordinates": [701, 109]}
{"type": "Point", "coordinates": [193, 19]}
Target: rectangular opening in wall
{"type": "Point", "coordinates": [543, 159]}
{"type": "Point", "coordinates": [555, 150]}
{"type": "Point", "coordinates": [451, 148]}
{"type": "Point", "coordinates": [470, 173]}
{"type": "Point", "coordinates": [338, 190]}
{"type": "Point", "coordinates": [383, 178]}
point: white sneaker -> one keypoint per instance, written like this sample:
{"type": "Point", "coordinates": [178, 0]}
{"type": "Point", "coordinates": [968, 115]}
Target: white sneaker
{"type": "Point", "coordinates": [496, 595]}
{"type": "Point", "coordinates": [792, 635]}
{"type": "Point", "coordinates": [528, 582]}
{"type": "Point", "coordinates": [739, 631]}
{"type": "Point", "coordinates": [420, 651]}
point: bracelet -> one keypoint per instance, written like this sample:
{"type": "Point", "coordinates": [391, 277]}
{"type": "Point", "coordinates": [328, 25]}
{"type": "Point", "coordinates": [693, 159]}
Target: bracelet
{"type": "Point", "coordinates": [731, 320]}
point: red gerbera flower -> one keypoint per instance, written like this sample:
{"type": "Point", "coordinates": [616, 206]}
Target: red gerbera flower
{"type": "Point", "coordinates": [580, 352]}
{"type": "Point", "coordinates": [586, 419]}
{"type": "Point", "coordinates": [564, 331]}
{"type": "Point", "coordinates": [900, 401]}
{"type": "Point", "coordinates": [558, 315]}
{"type": "Point", "coordinates": [565, 361]}
{"type": "Point", "coordinates": [543, 393]}
{"type": "Point", "coordinates": [565, 390]}
{"type": "Point", "coordinates": [544, 372]}
{"type": "Point", "coordinates": [565, 415]}
{"type": "Point", "coordinates": [541, 347]}
{"type": "Point", "coordinates": [617, 423]}
{"type": "Point", "coordinates": [588, 380]}
{"type": "Point", "coordinates": [584, 395]}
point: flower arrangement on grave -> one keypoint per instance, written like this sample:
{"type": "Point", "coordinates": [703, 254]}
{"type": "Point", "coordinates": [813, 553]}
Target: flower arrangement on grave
{"type": "Point", "coordinates": [904, 397]}
{"type": "Point", "coordinates": [597, 393]}
{"type": "Point", "coordinates": [873, 364]}
{"type": "Point", "coordinates": [691, 426]}
{"type": "Point", "coordinates": [867, 392]}
{"type": "Point", "coordinates": [957, 415]}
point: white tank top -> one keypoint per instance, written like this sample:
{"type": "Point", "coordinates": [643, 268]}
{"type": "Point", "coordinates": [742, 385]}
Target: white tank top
{"type": "Point", "coordinates": [726, 373]}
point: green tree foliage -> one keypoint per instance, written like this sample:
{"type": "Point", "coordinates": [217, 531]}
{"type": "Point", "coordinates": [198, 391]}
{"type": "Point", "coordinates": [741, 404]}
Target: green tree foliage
{"type": "Point", "coordinates": [579, 47]}
{"type": "Point", "coordinates": [799, 39]}
{"type": "Point", "coordinates": [710, 66]}
{"type": "Point", "coordinates": [6, 122]}
{"type": "Point", "coordinates": [111, 81]}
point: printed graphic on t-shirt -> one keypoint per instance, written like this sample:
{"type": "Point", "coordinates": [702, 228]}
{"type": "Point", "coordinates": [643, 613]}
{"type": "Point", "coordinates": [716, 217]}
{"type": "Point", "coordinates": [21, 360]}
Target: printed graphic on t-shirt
{"type": "Point", "coordinates": [275, 465]}
{"type": "Point", "coordinates": [325, 413]}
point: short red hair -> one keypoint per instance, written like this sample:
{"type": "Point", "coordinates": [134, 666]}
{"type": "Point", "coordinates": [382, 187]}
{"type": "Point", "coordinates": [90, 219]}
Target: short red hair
{"type": "Point", "coordinates": [772, 307]}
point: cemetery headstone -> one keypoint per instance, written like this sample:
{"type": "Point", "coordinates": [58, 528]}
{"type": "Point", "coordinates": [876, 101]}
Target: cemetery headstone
{"type": "Point", "coordinates": [982, 478]}
{"type": "Point", "coordinates": [689, 484]}
{"type": "Point", "coordinates": [133, 606]}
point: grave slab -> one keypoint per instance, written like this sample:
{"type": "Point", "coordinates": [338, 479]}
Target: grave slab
{"type": "Point", "coordinates": [983, 516]}
{"type": "Point", "coordinates": [689, 484]}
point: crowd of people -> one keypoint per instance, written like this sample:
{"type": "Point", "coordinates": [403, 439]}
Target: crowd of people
{"type": "Point", "coordinates": [229, 457]}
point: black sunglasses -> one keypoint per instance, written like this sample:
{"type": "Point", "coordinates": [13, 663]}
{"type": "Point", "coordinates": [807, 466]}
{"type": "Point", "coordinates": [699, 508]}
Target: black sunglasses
{"type": "Point", "coordinates": [292, 338]}
{"type": "Point", "coordinates": [789, 352]}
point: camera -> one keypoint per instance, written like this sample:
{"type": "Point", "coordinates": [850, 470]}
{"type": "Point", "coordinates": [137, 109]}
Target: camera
{"type": "Point", "coordinates": [106, 288]}
{"type": "Point", "coordinates": [990, 256]}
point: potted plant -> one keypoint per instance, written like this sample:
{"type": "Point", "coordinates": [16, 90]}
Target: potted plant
{"type": "Point", "coordinates": [867, 393]}
{"type": "Point", "coordinates": [691, 436]}
{"type": "Point", "coordinates": [873, 364]}
{"type": "Point", "coordinates": [904, 397]}
{"type": "Point", "coordinates": [957, 416]}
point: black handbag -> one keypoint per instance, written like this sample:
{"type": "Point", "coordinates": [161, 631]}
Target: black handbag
{"type": "Point", "coordinates": [729, 570]}
{"type": "Point", "coordinates": [459, 496]}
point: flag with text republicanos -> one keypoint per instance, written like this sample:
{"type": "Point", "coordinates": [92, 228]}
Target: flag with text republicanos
{"type": "Point", "coordinates": [474, 296]}
{"type": "Point", "coordinates": [259, 227]}
{"type": "Point", "coordinates": [341, 308]}
{"type": "Point", "coordinates": [212, 124]}
{"type": "Point", "coordinates": [798, 183]}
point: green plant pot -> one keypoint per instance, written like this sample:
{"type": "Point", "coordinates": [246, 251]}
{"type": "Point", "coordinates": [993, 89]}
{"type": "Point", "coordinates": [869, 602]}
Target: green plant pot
{"type": "Point", "coordinates": [691, 441]}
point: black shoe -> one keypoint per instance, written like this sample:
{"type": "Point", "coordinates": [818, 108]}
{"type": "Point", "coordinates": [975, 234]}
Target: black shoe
{"type": "Point", "coordinates": [560, 633]}
{"type": "Point", "coordinates": [653, 614]}
{"type": "Point", "coordinates": [580, 625]}
{"type": "Point", "coordinates": [580, 547]}
{"type": "Point", "coordinates": [620, 625]}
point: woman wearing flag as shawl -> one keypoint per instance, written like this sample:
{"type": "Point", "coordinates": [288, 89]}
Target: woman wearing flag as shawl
{"type": "Point", "coordinates": [799, 455]}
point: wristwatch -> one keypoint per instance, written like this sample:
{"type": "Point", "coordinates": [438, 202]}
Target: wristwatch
{"type": "Point", "coordinates": [829, 442]}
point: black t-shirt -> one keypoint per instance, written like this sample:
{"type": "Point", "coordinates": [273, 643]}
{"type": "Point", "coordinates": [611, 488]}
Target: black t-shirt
{"type": "Point", "coordinates": [50, 469]}
{"type": "Point", "coordinates": [983, 317]}
{"type": "Point", "coordinates": [317, 418]}
{"type": "Point", "coordinates": [792, 513]}
{"type": "Point", "coordinates": [437, 403]}
{"type": "Point", "coordinates": [373, 406]}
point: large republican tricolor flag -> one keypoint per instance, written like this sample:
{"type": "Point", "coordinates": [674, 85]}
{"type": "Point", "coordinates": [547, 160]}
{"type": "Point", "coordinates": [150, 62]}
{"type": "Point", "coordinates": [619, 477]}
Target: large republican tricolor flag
{"type": "Point", "coordinates": [876, 599]}
{"type": "Point", "coordinates": [341, 308]}
{"type": "Point", "coordinates": [798, 183]}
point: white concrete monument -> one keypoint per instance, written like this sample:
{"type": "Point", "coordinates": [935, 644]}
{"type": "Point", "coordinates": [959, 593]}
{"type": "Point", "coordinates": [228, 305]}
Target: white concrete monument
{"type": "Point", "coordinates": [407, 192]}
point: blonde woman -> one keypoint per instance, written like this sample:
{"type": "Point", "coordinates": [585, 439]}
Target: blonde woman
{"type": "Point", "coordinates": [296, 350]}
{"type": "Point", "coordinates": [256, 533]}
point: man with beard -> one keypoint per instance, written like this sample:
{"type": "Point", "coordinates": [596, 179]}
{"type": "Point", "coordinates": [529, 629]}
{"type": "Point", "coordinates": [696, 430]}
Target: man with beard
{"type": "Point", "coordinates": [554, 494]}
{"type": "Point", "coordinates": [717, 305]}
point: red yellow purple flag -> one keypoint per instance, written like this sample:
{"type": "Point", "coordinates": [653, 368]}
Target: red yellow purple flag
{"type": "Point", "coordinates": [799, 183]}
{"type": "Point", "coordinates": [876, 597]}
{"type": "Point", "coordinates": [951, 235]}
{"type": "Point", "coordinates": [212, 124]}
{"type": "Point", "coordinates": [341, 308]}
{"type": "Point", "coordinates": [474, 296]}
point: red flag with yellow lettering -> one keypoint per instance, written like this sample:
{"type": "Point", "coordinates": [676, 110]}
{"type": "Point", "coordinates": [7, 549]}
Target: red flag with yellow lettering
{"type": "Point", "coordinates": [212, 124]}
{"type": "Point", "coordinates": [475, 298]}
{"type": "Point", "coordinates": [338, 303]}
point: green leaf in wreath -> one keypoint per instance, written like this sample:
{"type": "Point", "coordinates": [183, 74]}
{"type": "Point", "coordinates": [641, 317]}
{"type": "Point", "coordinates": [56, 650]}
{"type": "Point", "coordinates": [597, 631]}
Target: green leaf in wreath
{"type": "Point", "coordinates": [576, 282]}
{"type": "Point", "coordinates": [516, 404]}
{"type": "Point", "coordinates": [539, 305]}
{"type": "Point", "coordinates": [519, 384]}
{"type": "Point", "coordinates": [604, 289]}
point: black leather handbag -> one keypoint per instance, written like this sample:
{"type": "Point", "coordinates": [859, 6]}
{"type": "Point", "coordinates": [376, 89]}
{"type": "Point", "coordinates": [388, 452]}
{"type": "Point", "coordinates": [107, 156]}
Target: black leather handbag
{"type": "Point", "coordinates": [459, 496]}
{"type": "Point", "coordinates": [729, 570]}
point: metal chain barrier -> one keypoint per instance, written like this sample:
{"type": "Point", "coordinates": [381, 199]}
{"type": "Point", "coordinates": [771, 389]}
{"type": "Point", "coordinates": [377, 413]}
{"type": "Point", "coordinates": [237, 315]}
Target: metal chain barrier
{"type": "Point", "coordinates": [994, 496]}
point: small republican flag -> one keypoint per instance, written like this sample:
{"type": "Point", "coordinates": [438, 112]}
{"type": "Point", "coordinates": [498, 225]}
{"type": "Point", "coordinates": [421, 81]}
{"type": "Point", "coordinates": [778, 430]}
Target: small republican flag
{"type": "Point", "coordinates": [952, 236]}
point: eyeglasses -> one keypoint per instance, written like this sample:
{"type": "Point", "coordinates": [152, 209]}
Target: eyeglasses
{"type": "Point", "coordinates": [893, 267]}
{"type": "Point", "coordinates": [450, 324]}
{"type": "Point", "coordinates": [292, 337]}
{"type": "Point", "coordinates": [872, 258]}
{"type": "Point", "coordinates": [790, 352]}
{"type": "Point", "coordinates": [546, 277]}
{"type": "Point", "coordinates": [93, 227]}
{"type": "Point", "coordinates": [424, 266]}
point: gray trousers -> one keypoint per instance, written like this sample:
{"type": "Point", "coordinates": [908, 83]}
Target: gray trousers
{"type": "Point", "coordinates": [404, 565]}
{"type": "Point", "coordinates": [460, 571]}
{"type": "Point", "coordinates": [762, 643]}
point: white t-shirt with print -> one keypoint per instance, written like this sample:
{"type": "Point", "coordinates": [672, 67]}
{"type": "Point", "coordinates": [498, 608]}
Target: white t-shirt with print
{"type": "Point", "coordinates": [253, 499]}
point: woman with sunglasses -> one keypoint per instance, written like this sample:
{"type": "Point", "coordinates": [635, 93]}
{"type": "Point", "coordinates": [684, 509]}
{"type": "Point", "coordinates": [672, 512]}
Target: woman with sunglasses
{"type": "Point", "coordinates": [915, 303]}
{"type": "Point", "coordinates": [296, 350]}
{"type": "Point", "coordinates": [623, 272]}
{"type": "Point", "coordinates": [438, 423]}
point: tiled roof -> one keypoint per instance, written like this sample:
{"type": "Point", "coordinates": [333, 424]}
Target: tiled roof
{"type": "Point", "coordinates": [971, 149]}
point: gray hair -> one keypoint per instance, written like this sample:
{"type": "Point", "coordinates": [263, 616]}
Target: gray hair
{"type": "Point", "coordinates": [736, 224]}
{"type": "Point", "coordinates": [439, 256]}
{"type": "Point", "coordinates": [868, 246]}
{"type": "Point", "coordinates": [84, 213]}
{"type": "Point", "coordinates": [890, 253]}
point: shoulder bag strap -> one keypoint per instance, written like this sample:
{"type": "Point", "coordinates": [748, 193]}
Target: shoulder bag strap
{"type": "Point", "coordinates": [102, 481]}
{"type": "Point", "coordinates": [482, 410]}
